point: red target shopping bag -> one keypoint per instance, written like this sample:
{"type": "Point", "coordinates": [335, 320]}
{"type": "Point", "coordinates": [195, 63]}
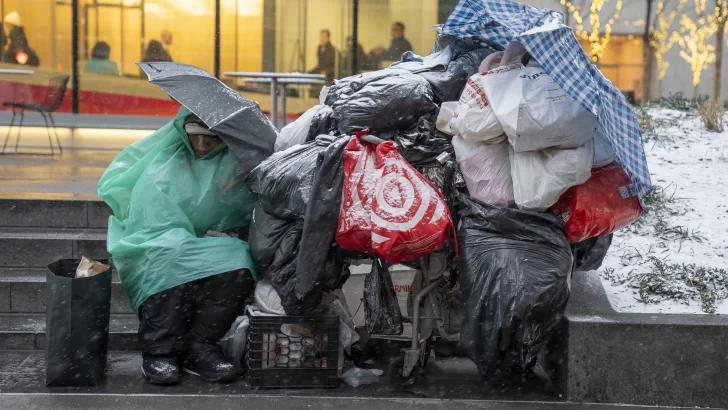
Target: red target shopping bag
{"type": "Point", "coordinates": [603, 204]}
{"type": "Point", "coordinates": [389, 209]}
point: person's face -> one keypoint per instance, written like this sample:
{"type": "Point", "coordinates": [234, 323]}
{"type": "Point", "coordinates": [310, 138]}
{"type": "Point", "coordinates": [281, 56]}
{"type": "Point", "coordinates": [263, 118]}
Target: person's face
{"type": "Point", "coordinates": [323, 38]}
{"type": "Point", "coordinates": [167, 39]}
{"type": "Point", "coordinates": [396, 32]}
{"type": "Point", "coordinates": [204, 144]}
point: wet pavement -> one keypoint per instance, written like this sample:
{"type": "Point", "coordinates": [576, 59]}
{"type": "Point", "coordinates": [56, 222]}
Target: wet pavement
{"type": "Point", "coordinates": [74, 172]}
{"type": "Point", "coordinates": [450, 383]}
{"type": "Point", "coordinates": [447, 378]}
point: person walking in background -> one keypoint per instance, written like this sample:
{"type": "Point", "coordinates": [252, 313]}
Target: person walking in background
{"type": "Point", "coordinates": [99, 62]}
{"type": "Point", "coordinates": [19, 51]}
{"type": "Point", "coordinates": [157, 51]}
{"type": "Point", "coordinates": [326, 54]}
{"type": "Point", "coordinates": [397, 47]}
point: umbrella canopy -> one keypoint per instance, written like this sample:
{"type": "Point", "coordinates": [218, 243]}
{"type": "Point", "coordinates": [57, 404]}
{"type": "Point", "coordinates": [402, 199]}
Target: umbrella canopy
{"type": "Point", "coordinates": [236, 119]}
{"type": "Point", "coordinates": [554, 45]}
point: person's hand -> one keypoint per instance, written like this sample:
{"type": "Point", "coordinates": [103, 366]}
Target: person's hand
{"type": "Point", "coordinates": [216, 234]}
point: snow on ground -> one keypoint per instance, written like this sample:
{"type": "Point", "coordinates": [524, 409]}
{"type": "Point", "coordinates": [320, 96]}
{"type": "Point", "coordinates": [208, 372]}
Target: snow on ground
{"type": "Point", "coordinates": [693, 165]}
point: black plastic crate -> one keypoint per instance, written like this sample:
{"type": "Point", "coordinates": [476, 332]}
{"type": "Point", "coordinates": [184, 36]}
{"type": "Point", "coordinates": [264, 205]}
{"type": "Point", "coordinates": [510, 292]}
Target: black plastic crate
{"type": "Point", "coordinates": [293, 352]}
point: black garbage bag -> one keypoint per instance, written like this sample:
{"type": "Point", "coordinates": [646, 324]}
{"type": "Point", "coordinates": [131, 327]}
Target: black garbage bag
{"type": "Point", "coordinates": [514, 279]}
{"type": "Point", "coordinates": [283, 181]}
{"type": "Point", "coordinates": [462, 45]}
{"type": "Point", "coordinates": [448, 85]}
{"type": "Point", "coordinates": [347, 86]}
{"type": "Point", "coordinates": [322, 123]}
{"type": "Point", "coordinates": [381, 308]}
{"type": "Point", "coordinates": [77, 325]}
{"type": "Point", "coordinates": [589, 254]}
{"type": "Point", "coordinates": [274, 245]}
{"type": "Point", "coordinates": [297, 252]}
{"type": "Point", "coordinates": [394, 100]}
{"type": "Point", "coordinates": [319, 229]}
{"type": "Point", "coordinates": [266, 235]}
{"type": "Point", "coordinates": [421, 143]}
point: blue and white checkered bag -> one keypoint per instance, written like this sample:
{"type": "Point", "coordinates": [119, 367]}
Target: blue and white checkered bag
{"type": "Point", "coordinates": [554, 45]}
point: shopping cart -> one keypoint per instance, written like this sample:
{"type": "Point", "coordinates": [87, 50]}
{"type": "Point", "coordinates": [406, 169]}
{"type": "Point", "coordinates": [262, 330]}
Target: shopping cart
{"type": "Point", "coordinates": [434, 306]}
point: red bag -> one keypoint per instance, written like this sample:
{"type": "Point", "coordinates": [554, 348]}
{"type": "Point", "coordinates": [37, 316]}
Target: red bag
{"type": "Point", "coordinates": [603, 204]}
{"type": "Point", "coordinates": [389, 209]}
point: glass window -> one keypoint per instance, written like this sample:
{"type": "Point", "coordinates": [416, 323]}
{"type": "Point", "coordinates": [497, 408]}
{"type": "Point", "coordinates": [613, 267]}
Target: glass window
{"type": "Point", "coordinates": [35, 35]}
{"type": "Point", "coordinates": [116, 34]}
{"type": "Point", "coordinates": [255, 35]}
{"type": "Point", "coordinates": [621, 62]}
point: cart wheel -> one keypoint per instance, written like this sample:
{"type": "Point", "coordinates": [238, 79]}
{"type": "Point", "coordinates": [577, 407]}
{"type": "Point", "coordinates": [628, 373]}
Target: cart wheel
{"type": "Point", "coordinates": [396, 379]}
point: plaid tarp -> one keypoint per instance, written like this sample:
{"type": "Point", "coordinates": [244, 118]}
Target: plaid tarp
{"type": "Point", "coordinates": [554, 45]}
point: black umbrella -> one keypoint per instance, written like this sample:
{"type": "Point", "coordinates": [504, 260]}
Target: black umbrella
{"type": "Point", "coordinates": [236, 119]}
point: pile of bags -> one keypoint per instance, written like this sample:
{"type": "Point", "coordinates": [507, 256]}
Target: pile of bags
{"type": "Point", "coordinates": [391, 161]}
{"type": "Point", "coordinates": [522, 141]}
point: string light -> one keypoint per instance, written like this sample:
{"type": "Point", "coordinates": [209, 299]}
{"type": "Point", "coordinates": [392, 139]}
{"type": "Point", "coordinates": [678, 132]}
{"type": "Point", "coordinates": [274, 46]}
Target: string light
{"type": "Point", "coordinates": [694, 40]}
{"type": "Point", "coordinates": [661, 40]}
{"type": "Point", "coordinates": [597, 40]}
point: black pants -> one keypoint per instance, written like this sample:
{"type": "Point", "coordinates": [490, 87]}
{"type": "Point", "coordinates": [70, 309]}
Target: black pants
{"type": "Point", "coordinates": [201, 311]}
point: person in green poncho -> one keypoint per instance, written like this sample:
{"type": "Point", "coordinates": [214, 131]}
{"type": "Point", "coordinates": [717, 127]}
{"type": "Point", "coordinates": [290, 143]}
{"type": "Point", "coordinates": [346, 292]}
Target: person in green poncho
{"type": "Point", "coordinates": [178, 198]}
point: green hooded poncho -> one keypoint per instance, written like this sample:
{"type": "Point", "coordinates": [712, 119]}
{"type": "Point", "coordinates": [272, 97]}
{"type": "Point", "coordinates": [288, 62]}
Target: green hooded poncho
{"type": "Point", "coordinates": [164, 200]}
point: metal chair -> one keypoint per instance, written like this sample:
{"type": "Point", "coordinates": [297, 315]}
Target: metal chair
{"type": "Point", "coordinates": [54, 97]}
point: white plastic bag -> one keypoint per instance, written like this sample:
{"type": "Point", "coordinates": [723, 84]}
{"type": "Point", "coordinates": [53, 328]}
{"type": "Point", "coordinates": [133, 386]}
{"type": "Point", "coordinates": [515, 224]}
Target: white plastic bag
{"type": "Point", "coordinates": [296, 132]}
{"type": "Point", "coordinates": [474, 118]}
{"type": "Point", "coordinates": [535, 112]}
{"type": "Point", "coordinates": [267, 299]}
{"type": "Point", "coordinates": [233, 344]}
{"type": "Point", "coordinates": [540, 177]}
{"type": "Point", "coordinates": [356, 376]}
{"type": "Point", "coordinates": [444, 116]}
{"type": "Point", "coordinates": [486, 170]}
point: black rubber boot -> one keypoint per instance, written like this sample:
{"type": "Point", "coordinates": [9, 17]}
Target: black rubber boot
{"type": "Point", "coordinates": [160, 369]}
{"type": "Point", "coordinates": [207, 361]}
{"type": "Point", "coordinates": [218, 302]}
{"type": "Point", "coordinates": [163, 323]}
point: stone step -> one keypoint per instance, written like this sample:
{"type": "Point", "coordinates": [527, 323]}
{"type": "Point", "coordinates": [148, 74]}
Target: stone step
{"type": "Point", "coordinates": [454, 381]}
{"type": "Point", "coordinates": [37, 247]}
{"type": "Point", "coordinates": [23, 290]}
{"type": "Point", "coordinates": [53, 211]}
{"type": "Point", "coordinates": [26, 331]}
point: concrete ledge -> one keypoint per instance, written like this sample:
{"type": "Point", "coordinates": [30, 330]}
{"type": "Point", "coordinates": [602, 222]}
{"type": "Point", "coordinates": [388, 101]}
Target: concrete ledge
{"type": "Point", "coordinates": [270, 401]}
{"type": "Point", "coordinates": [646, 359]}
{"type": "Point", "coordinates": [54, 213]}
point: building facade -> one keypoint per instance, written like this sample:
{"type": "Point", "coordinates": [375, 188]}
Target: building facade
{"type": "Point", "coordinates": [256, 35]}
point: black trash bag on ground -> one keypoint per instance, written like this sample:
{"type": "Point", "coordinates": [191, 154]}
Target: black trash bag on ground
{"type": "Point", "coordinates": [313, 274]}
{"type": "Point", "coordinates": [322, 123]}
{"type": "Point", "coordinates": [77, 325]}
{"type": "Point", "coordinates": [283, 181]}
{"type": "Point", "coordinates": [514, 279]}
{"type": "Point", "coordinates": [589, 254]}
{"type": "Point", "coordinates": [381, 308]}
{"type": "Point", "coordinates": [395, 99]}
